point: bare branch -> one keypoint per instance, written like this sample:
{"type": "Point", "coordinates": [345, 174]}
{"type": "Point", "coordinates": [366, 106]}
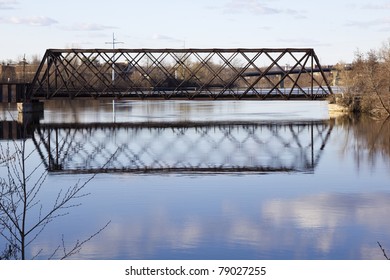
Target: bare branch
{"type": "Point", "coordinates": [383, 251]}
{"type": "Point", "coordinates": [77, 247]}
{"type": "Point", "coordinates": [19, 195]}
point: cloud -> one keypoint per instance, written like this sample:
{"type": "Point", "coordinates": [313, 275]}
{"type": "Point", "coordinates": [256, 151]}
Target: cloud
{"type": "Point", "coordinates": [382, 23]}
{"type": "Point", "coordinates": [377, 6]}
{"type": "Point", "coordinates": [297, 14]}
{"type": "Point", "coordinates": [32, 21]}
{"type": "Point", "coordinates": [303, 42]}
{"type": "Point", "coordinates": [256, 7]}
{"type": "Point", "coordinates": [252, 6]}
{"type": "Point", "coordinates": [8, 4]}
{"type": "Point", "coordinates": [162, 37]}
{"type": "Point", "coordinates": [90, 27]}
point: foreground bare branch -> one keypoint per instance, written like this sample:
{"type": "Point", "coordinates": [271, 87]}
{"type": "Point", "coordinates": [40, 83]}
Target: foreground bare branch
{"type": "Point", "coordinates": [19, 196]}
{"type": "Point", "coordinates": [383, 251]}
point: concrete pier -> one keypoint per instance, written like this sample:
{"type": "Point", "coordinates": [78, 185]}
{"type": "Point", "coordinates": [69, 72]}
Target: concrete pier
{"type": "Point", "coordinates": [30, 107]}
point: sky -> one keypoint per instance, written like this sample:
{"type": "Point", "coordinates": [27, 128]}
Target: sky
{"type": "Point", "coordinates": [335, 29]}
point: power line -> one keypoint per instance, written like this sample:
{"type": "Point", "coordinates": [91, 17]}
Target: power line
{"type": "Point", "coordinates": [114, 41]}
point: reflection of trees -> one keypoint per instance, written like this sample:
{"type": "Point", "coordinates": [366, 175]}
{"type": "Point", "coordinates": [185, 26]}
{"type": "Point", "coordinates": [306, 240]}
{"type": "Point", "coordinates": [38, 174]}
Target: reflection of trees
{"type": "Point", "coordinates": [23, 216]}
{"type": "Point", "coordinates": [371, 138]}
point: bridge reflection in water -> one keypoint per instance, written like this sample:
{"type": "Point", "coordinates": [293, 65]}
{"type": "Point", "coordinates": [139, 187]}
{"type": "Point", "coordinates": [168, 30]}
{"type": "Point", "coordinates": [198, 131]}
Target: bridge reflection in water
{"type": "Point", "coordinates": [193, 148]}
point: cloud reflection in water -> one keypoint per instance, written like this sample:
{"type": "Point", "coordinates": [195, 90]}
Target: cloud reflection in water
{"type": "Point", "coordinates": [323, 226]}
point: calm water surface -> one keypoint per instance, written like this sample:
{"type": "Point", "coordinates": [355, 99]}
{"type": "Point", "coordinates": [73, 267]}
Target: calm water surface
{"type": "Point", "coordinates": [211, 180]}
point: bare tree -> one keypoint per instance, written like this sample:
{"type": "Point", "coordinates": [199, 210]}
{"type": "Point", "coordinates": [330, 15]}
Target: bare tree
{"type": "Point", "coordinates": [370, 80]}
{"type": "Point", "coordinates": [23, 216]}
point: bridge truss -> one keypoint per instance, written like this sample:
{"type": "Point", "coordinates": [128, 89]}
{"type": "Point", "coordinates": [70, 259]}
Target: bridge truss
{"type": "Point", "coordinates": [162, 148]}
{"type": "Point", "coordinates": [179, 73]}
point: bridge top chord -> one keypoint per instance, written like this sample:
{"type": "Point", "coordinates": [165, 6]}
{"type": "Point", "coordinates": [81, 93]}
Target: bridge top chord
{"type": "Point", "coordinates": [181, 50]}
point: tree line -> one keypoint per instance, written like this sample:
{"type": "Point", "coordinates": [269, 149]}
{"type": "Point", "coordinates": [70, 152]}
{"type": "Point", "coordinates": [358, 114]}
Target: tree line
{"type": "Point", "coordinates": [367, 84]}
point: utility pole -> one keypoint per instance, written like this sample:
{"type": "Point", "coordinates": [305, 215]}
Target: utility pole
{"type": "Point", "coordinates": [113, 43]}
{"type": "Point", "coordinates": [24, 68]}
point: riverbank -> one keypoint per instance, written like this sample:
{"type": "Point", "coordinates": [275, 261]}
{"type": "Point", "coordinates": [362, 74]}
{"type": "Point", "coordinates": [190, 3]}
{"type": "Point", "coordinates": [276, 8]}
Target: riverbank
{"type": "Point", "coordinates": [337, 110]}
{"type": "Point", "coordinates": [357, 105]}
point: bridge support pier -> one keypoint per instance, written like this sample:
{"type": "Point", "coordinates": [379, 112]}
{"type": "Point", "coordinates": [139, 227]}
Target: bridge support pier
{"type": "Point", "coordinates": [30, 107]}
{"type": "Point", "coordinates": [30, 112]}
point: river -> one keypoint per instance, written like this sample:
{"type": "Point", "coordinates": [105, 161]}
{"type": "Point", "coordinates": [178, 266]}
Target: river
{"type": "Point", "coordinates": [201, 180]}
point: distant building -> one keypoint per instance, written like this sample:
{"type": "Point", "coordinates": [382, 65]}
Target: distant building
{"type": "Point", "coordinates": [17, 72]}
{"type": "Point", "coordinates": [7, 73]}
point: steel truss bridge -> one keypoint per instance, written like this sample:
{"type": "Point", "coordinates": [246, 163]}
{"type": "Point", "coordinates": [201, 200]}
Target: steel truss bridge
{"type": "Point", "coordinates": [192, 148]}
{"type": "Point", "coordinates": [179, 74]}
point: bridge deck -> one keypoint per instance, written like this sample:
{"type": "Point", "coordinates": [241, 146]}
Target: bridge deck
{"type": "Point", "coordinates": [159, 94]}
